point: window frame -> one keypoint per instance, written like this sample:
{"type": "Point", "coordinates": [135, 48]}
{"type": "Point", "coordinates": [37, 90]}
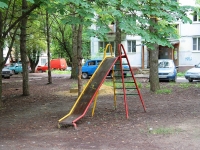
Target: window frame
{"type": "Point", "coordinates": [195, 17]}
{"type": "Point", "coordinates": [104, 43]}
{"type": "Point", "coordinates": [43, 59]}
{"type": "Point", "coordinates": [130, 47]}
{"type": "Point", "coordinates": [196, 44]}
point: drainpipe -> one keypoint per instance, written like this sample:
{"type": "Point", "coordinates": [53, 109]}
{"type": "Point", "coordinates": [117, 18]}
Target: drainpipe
{"type": "Point", "coordinates": [142, 57]}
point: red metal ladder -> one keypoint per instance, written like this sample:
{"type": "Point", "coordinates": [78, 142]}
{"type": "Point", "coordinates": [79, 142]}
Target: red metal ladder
{"type": "Point", "coordinates": [124, 89]}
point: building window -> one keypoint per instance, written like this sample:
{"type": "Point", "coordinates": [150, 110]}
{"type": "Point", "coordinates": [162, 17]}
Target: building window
{"type": "Point", "coordinates": [196, 18]}
{"type": "Point", "coordinates": [196, 44]}
{"type": "Point", "coordinates": [131, 46]}
{"type": "Point", "coordinates": [102, 46]}
{"type": "Point", "coordinates": [43, 61]}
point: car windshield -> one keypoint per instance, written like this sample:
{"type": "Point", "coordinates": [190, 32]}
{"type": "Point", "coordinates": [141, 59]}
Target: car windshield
{"type": "Point", "coordinates": [165, 64]}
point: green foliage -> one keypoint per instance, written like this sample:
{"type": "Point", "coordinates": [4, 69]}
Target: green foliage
{"type": "Point", "coordinates": [164, 12]}
{"type": "Point", "coordinates": [36, 40]}
{"type": "Point", "coordinates": [3, 5]}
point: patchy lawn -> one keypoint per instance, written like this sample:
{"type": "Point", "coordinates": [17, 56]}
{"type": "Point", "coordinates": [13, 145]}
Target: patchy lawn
{"type": "Point", "coordinates": [172, 120]}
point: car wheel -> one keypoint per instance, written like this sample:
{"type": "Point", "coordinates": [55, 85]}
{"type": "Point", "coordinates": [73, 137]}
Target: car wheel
{"type": "Point", "coordinates": [40, 71]}
{"type": "Point", "coordinates": [84, 75]}
{"type": "Point", "coordinates": [190, 80]}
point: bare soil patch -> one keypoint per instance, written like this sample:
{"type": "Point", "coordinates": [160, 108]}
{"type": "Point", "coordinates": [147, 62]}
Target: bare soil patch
{"type": "Point", "coordinates": [172, 121]}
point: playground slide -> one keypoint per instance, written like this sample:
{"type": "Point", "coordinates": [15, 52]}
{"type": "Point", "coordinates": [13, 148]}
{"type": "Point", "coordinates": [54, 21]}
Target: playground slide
{"type": "Point", "coordinates": [88, 94]}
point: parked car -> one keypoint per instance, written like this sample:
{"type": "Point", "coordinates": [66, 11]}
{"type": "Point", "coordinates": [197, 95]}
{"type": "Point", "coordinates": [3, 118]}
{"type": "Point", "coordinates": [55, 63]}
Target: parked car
{"type": "Point", "coordinates": [15, 68]}
{"type": "Point", "coordinates": [167, 70]}
{"type": "Point", "coordinates": [59, 64]}
{"type": "Point", "coordinates": [91, 65]}
{"type": "Point", "coordinates": [193, 73]}
{"type": "Point", "coordinates": [6, 73]}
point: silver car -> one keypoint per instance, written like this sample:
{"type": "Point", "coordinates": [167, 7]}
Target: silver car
{"type": "Point", "coordinates": [167, 70]}
{"type": "Point", "coordinates": [6, 73]}
{"type": "Point", "coordinates": [193, 73]}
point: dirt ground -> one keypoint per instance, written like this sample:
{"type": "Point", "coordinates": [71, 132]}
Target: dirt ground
{"type": "Point", "coordinates": [171, 122]}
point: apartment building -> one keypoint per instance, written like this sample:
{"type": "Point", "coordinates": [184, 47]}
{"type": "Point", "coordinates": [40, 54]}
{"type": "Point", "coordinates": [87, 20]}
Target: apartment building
{"type": "Point", "coordinates": [186, 51]}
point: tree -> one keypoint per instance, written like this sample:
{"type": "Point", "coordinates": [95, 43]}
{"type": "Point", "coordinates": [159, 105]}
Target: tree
{"type": "Point", "coordinates": [8, 24]}
{"type": "Point", "coordinates": [62, 39]}
{"type": "Point", "coordinates": [48, 47]}
{"type": "Point", "coordinates": [149, 19]}
{"type": "Point", "coordinates": [153, 52]}
{"type": "Point", "coordinates": [36, 43]}
{"type": "Point", "coordinates": [153, 25]}
{"type": "Point", "coordinates": [23, 51]}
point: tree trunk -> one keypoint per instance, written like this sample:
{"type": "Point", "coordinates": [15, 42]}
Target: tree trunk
{"type": "Point", "coordinates": [3, 35]}
{"type": "Point", "coordinates": [23, 52]}
{"type": "Point", "coordinates": [79, 58]}
{"type": "Point", "coordinates": [117, 38]}
{"type": "Point", "coordinates": [74, 73]}
{"type": "Point", "coordinates": [153, 75]}
{"type": "Point", "coordinates": [33, 61]}
{"type": "Point", "coordinates": [1, 57]}
{"type": "Point", "coordinates": [117, 41]}
{"type": "Point", "coordinates": [48, 49]}
{"type": "Point", "coordinates": [154, 80]}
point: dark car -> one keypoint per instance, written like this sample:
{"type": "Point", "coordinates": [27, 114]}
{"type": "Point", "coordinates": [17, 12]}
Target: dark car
{"type": "Point", "coordinates": [6, 73]}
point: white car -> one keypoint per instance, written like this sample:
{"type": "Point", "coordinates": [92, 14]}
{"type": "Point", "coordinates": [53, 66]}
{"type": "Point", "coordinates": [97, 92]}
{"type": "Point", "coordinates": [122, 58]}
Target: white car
{"type": "Point", "coordinates": [193, 73]}
{"type": "Point", "coordinates": [6, 73]}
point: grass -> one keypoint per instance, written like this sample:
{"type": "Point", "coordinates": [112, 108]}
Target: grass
{"type": "Point", "coordinates": [110, 83]}
{"type": "Point", "coordinates": [61, 72]}
{"type": "Point", "coordinates": [164, 91]}
{"type": "Point", "coordinates": [185, 85]}
{"type": "Point", "coordinates": [164, 131]}
{"type": "Point", "coordinates": [180, 74]}
{"type": "Point", "coordinates": [197, 85]}
{"type": "Point", "coordinates": [147, 85]}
